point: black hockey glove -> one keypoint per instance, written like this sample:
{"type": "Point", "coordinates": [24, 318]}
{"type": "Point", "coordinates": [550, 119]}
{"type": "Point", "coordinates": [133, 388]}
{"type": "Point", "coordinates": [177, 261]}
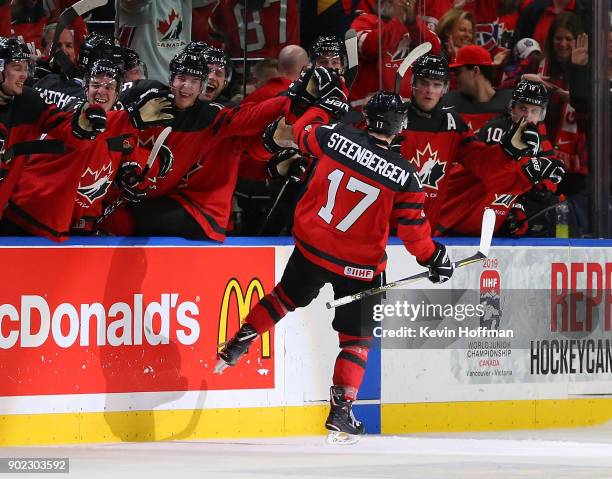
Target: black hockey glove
{"type": "Point", "coordinates": [153, 108]}
{"type": "Point", "coordinates": [522, 139]}
{"type": "Point", "coordinates": [129, 179]}
{"type": "Point", "coordinates": [166, 160]}
{"type": "Point", "coordinates": [540, 169]}
{"type": "Point", "coordinates": [287, 163]}
{"type": "Point", "coordinates": [302, 92]}
{"type": "Point", "coordinates": [331, 96]}
{"type": "Point", "coordinates": [440, 266]}
{"type": "Point", "coordinates": [88, 121]}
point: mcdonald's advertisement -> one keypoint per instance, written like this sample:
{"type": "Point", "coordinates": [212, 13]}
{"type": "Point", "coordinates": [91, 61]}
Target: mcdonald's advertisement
{"type": "Point", "coordinates": [135, 319]}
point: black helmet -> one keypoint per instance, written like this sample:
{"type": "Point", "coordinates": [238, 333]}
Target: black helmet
{"type": "Point", "coordinates": [385, 113]}
{"type": "Point", "coordinates": [131, 59]}
{"type": "Point", "coordinates": [430, 66]}
{"type": "Point", "coordinates": [531, 92]}
{"type": "Point", "coordinates": [12, 50]}
{"type": "Point", "coordinates": [189, 63]}
{"type": "Point", "coordinates": [96, 47]}
{"type": "Point", "coordinates": [196, 47]}
{"type": "Point", "coordinates": [105, 67]}
{"type": "Point", "coordinates": [216, 56]}
{"type": "Point", "coordinates": [326, 45]}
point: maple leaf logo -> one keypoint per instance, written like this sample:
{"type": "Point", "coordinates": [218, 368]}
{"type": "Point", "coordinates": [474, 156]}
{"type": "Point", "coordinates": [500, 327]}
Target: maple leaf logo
{"type": "Point", "coordinates": [171, 28]}
{"type": "Point", "coordinates": [426, 153]}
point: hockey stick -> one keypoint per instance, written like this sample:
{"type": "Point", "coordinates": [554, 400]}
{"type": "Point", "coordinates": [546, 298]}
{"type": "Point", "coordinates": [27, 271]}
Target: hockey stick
{"type": "Point", "coordinates": [541, 212]}
{"type": "Point", "coordinates": [416, 53]}
{"type": "Point", "coordinates": [110, 209]}
{"type": "Point", "coordinates": [486, 234]}
{"type": "Point", "coordinates": [159, 142]}
{"type": "Point", "coordinates": [71, 13]}
{"type": "Point", "coordinates": [352, 56]}
{"type": "Point", "coordinates": [273, 208]}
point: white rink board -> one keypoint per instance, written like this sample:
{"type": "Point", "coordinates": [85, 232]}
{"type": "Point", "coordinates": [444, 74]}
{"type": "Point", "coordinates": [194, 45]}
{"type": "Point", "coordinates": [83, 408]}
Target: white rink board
{"type": "Point", "coordinates": [434, 375]}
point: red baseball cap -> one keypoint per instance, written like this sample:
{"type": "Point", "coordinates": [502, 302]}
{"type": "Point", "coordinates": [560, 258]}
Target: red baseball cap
{"type": "Point", "coordinates": [472, 55]}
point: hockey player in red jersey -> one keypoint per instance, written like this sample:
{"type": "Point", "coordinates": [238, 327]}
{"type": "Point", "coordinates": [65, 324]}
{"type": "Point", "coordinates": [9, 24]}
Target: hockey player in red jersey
{"type": "Point", "coordinates": [341, 230]}
{"type": "Point", "coordinates": [56, 196]}
{"type": "Point", "coordinates": [180, 204]}
{"type": "Point", "coordinates": [400, 33]}
{"type": "Point", "coordinates": [436, 137]}
{"type": "Point", "coordinates": [529, 100]}
{"type": "Point", "coordinates": [24, 116]}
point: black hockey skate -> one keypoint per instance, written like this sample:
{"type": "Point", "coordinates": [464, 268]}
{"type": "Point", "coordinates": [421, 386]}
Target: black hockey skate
{"type": "Point", "coordinates": [235, 348]}
{"type": "Point", "coordinates": [342, 426]}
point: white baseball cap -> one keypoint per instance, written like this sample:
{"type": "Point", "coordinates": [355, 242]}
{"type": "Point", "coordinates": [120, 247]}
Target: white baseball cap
{"type": "Point", "coordinates": [525, 47]}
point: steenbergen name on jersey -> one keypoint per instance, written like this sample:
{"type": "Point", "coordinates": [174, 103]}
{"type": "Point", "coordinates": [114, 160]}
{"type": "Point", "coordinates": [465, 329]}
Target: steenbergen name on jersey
{"type": "Point", "coordinates": [367, 158]}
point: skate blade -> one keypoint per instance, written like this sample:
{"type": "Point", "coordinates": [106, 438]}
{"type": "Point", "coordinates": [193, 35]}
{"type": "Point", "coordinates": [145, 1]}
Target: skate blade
{"type": "Point", "coordinates": [342, 438]}
{"type": "Point", "coordinates": [220, 367]}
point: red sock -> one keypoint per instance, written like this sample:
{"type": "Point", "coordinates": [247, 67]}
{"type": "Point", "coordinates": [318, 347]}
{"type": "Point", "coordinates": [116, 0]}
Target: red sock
{"type": "Point", "coordinates": [270, 310]}
{"type": "Point", "coordinates": [351, 363]}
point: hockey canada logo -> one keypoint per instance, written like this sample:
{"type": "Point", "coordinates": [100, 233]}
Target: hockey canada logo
{"type": "Point", "coordinates": [94, 184]}
{"type": "Point", "coordinates": [504, 200]}
{"type": "Point", "coordinates": [171, 28]}
{"type": "Point", "coordinates": [403, 48]}
{"type": "Point", "coordinates": [431, 170]}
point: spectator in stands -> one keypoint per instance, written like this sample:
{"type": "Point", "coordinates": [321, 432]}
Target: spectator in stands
{"type": "Point", "coordinates": [476, 98]}
{"type": "Point", "coordinates": [537, 17]}
{"type": "Point", "coordinates": [402, 30]}
{"type": "Point", "coordinates": [28, 22]}
{"type": "Point", "coordinates": [455, 29]}
{"type": "Point", "coordinates": [155, 30]}
{"type": "Point", "coordinates": [564, 127]}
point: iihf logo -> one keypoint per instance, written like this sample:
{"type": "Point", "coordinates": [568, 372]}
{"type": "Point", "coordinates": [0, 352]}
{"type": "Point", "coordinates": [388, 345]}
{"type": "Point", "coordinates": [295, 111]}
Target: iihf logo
{"type": "Point", "coordinates": [490, 295]}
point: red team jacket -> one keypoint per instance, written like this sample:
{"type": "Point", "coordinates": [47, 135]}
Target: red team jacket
{"type": "Point", "coordinates": [23, 120]}
{"type": "Point", "coordinates": [342, 221]}
{"type": "Point", "coordinates": [57, 194]}
{"type": "Point", "coordinates": [432, 143]}
{"type": "Point", "coordinates": [468, 197]}
{"type": "Point", "coordinates": [397, 41]}
{"type": "Point", "coordinates": [197, 134]}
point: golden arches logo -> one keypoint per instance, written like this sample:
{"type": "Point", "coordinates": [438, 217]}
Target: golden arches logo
{"type": "Point", "coordinates": [244, 306]}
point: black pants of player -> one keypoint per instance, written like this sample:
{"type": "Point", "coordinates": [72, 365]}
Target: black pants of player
{"type": "Point", "coordinates": [302, 280]}
{"type": "Point", "coordinates": [164, 217]}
